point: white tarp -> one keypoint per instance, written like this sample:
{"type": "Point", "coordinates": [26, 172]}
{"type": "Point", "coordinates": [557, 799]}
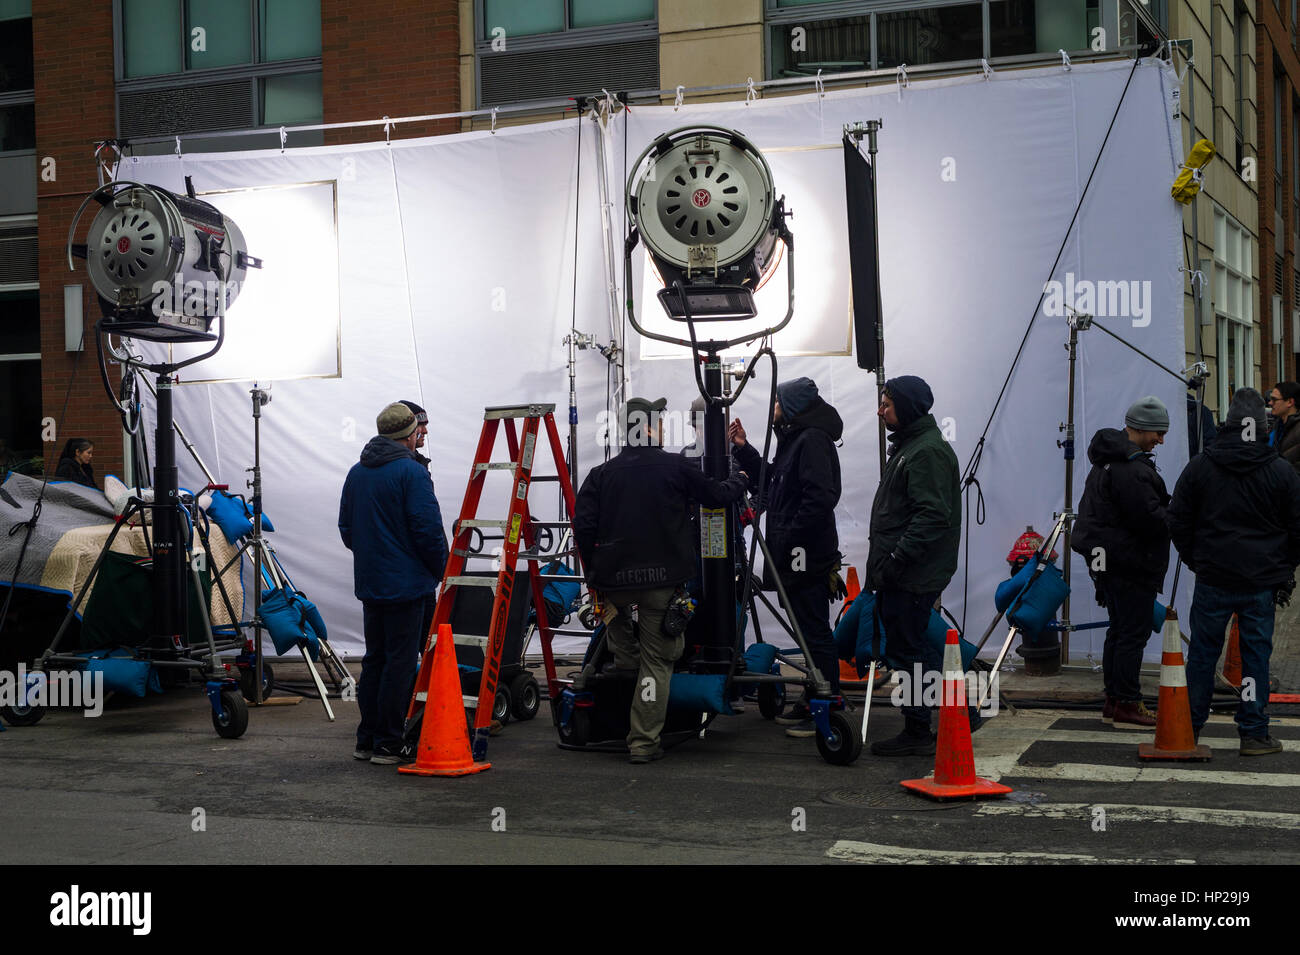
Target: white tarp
{"type": "Point", "coordinates": [456, 287]}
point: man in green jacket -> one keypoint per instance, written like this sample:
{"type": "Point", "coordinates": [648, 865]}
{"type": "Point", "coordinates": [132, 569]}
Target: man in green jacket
{"type": "Point", "coordinates": [915, 535]}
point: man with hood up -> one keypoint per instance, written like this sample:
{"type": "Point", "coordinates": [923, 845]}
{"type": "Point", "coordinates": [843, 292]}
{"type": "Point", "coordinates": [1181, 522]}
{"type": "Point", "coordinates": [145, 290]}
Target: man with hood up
{"type": "Point", "coordinates": [390, 520]}
{"type": "Point", "coordinates": [915, 536]}
{"type": "Point", "coordinates": [803, 487]}
{"type": "Point", "coordinates": [1120, 531]}
{"type": "Point", "coordinates": [1235, 519]}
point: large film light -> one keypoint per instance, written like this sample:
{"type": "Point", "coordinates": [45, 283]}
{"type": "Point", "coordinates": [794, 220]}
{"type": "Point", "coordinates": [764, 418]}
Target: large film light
{"type": "Point", "coordinates": [701, 198]}
{"type": "Point", "coordinates": [158, 261]}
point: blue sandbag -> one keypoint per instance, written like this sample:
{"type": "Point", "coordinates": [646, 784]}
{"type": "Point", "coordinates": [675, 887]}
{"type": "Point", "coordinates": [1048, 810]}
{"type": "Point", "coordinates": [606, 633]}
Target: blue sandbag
{"type": "Point", "coordinates": [759, 657]}
{"type": "Point", "coordinates": [853, 636]}
{"type": "Point", "coordinates": [233, 516]}
{"type": "Point", "coordinates": [1010, 588]}
{"type": "Point", "coordinates": [123, 674]}
{"type": "Point", "coordinates": [699, 692]}
{"type": "Point", "coordinates": [287, 618]}
{"type": "Point", "coordinates": [1035, 607]}
{"type": "Point", "coordinates": [1158, 617]}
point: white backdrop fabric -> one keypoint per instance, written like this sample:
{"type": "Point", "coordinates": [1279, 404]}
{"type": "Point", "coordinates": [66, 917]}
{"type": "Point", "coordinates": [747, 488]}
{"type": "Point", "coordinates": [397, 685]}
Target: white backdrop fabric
{"type": "Point", "coordinates": [456, 287]}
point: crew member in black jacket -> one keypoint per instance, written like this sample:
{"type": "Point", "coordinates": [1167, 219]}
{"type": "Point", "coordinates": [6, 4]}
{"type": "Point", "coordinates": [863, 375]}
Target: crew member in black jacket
{"type": "Point", "coordinates": [632, 527]}
{"type": "Point", "coordinates": [1235, 519]}
{"type": "Point", "coordinates": [1120, 531]}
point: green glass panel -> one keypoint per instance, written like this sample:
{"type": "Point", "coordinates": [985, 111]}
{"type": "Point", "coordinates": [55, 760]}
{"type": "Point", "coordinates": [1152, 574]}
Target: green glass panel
{"type": "Point", "coordinates": [16, 68]}
{"type": "Point", "coordinates": [227, 33]}
{"type": "Point", "coordinates": [522, 17]}
{"type": "Point", "coordinates": [17, 127]}
{"type": "Point", "coordinates": [599, 13]}
{"type": "Point", "coordinates": [797, 3]}
{"type": "Point", "coordinates": [151, 37]}
{"type": "Point", "coordinates": [15, 9]}
{"type": "Point", "coordinates": [291, 99]}
{"type": "Point", "coordinates": [290, 29]}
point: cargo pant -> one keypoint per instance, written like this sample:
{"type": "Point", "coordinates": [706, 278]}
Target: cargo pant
{"type": "Point", "coordinates": [652, 654]}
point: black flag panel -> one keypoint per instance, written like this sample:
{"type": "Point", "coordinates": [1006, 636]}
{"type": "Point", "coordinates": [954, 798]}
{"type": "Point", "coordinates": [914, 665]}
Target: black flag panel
{"type": "Point", "coordinates": [864, 263]}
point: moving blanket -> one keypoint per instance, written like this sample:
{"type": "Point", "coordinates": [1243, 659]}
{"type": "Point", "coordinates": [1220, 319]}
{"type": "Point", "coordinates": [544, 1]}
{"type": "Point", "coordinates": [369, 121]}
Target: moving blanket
{"type": "Point", "coordinates": [75, 521]}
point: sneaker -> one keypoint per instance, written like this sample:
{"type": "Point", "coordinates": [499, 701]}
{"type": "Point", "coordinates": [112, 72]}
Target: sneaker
{"type": "Point", "coordinates": [362, 752]}
{"type": "Point", "coordinates": [1260, 746]}
{"type": "Point", "coordinates": [1108, 710]}
{"type": "Point", "coordinates": [795, 715]}
{"type": "Point", "coordinates": [905, 745]}
{"type": "Point", "coordinates": [1133, 716]}
{"type": "Point", "coordinates": [388, 757]}
{"type": "Point", "coordinates": [738, 705]}
{"type": "Point", "coordinates": [646, 757]}
{"type": "Point", "coordinates": [804, 729]}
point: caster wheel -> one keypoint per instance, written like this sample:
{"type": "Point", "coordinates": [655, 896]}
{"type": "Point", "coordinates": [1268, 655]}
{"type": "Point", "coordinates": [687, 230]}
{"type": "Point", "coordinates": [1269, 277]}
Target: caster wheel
{"type": "Point", "coordinates": [22, 715]}
{"type": "Point", "coordinates": [233, 719]}
{"type": "Point", "coordinates": [771, 700]}
{"type": "Point", "coordinates": [247, 678]}
{"type": "Point", "coordinates": [526, 696]}
{"type": "Point", "coordinates": [501, 705]}
{"type": "Point", "coordinates": [844, 745]}
{"type": "Point", "coordinates": [578, 732]}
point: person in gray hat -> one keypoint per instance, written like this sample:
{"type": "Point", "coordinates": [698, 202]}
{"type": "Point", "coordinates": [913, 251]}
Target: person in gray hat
{"type": "Point", "coordinates": [390, 520]}
{"type": "Point", "coordinates": [633, 531]}
{"type": "Point", "coordinates": [1235, 519]}
{"type": "Point", "coordinates": [1120, 531]}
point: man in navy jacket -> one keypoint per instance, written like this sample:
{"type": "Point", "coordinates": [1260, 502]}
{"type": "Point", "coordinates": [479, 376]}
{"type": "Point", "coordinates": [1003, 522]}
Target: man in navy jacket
{"type": "Point", "coordinates": [389, 519]}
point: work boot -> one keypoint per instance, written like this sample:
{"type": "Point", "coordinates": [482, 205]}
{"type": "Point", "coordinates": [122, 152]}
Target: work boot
{"type": "Point", "coordinates": [904, 744]}
{"type": "Point", "coordinates": [1259, 746]}
{"type": "Point", "coordinates": [1108, 710]}
{"type": "Point", "coordinates": [1133, 716]}
{"type": "Point", "coordinates": [797, 714]}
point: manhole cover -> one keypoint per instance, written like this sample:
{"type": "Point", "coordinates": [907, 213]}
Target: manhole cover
{"type": "Point", "coordinates": [889, 796]}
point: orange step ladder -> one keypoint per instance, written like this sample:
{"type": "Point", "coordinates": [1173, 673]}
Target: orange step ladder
{"type": "Point", "coordinates": [517, 526]}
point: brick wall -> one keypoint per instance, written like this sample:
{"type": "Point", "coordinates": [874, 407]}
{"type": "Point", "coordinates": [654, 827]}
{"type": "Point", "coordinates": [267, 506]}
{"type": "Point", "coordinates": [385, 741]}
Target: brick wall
{"type": "Point", "coordinates": [389, 59]}
{"type": "Point", "coordinates": [73, 47]}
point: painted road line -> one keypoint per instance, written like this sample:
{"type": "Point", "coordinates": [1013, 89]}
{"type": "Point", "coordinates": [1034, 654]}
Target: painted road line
{"type": "Point", "coordinates": [1118, 812]}
{"type": "Point", "coordinates": [1096, 773]}
{"type": "Point", "coordinates": [875, 853]}
{"type": "Point", "coordinates": [1128, 736]}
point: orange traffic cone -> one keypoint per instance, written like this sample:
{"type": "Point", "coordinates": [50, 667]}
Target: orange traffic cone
{"type": "Point", "coordinates": [1232, 662]}
{"type": "Point", "coordinates": [954, 759]}
{"type": "Point", "coordinates": [852, 586]}
{"type": "Point", "coordinates": [848, 672]}
{"type": "Point", "coordinates": [1174, 738]}
{"type": "Point", "coordinates": [444, 740]}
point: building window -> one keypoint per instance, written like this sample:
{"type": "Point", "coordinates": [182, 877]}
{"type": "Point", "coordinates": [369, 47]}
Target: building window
{"type": "Point", "coordinates": [1233, 305]}
{"type": "Point", "coordinates": [17, 97]}
{"type": "Point", "coordinates": [20, 379]}
{"type": "Point", "coordinates": [805, 36]}
{"type": "Point", "coordinates": [1241, 27]}
{"type": "Point", "coordinates": [218, 64]}
{"type": "Point", "coordinates": [550, 49]}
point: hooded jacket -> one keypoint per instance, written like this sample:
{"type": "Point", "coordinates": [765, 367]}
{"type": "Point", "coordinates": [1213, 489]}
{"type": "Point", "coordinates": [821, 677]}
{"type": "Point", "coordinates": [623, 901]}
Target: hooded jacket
{"type": "Point", "coordinates": [916, 514]}
{"type": "Point", "coordinates": [390, 520]}
{"type": "Point", "coordinates": [1285, 440]}
{"type": "Point", "coordinates": [803, 488]}
{"type": "Point", "coordinates": [1122, 511]}
{"type": "Point", "coordinates": [1235, 515]}
{"type": "Point", "coordinates": [631, 521]}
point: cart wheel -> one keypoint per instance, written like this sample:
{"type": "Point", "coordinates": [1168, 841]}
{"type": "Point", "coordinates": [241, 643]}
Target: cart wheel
{"type": "Point", "coordinates": [843, 746]}
{"type": "Point", "coordinates": [501, 705]}
{"type": "Point", "coordinates": [771, 700]}
{"type": "Point", "coordinates": [526, 696]}
{"type": "Point", "coordinates": [234, 716]}
{"type": "Point", "coordinates": [247, 678]}
{"type": "Point", "coordinates": [578, 731]}
{"type": "Point", "coordinates": [22, 715]}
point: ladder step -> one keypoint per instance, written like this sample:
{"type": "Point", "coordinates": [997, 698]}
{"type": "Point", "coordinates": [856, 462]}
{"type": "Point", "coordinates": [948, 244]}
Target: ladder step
{"type": "Point", "coordinates": [490, 582]}
{"type": "Point", "coordinates": [477, 522]}
{"type": "Point", "coordinates": [545, 477]}
{"type": "Point", "coordinates": [463, 640]}
{"type": "Point", "coordinates": [496, 466]}
{"type": "Point", "coordinates": [518, 411]}
{"type": "Point", "coordinates": [469, 701]}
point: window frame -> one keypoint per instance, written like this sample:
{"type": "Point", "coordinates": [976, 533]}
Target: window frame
{"type": "Point", "coordinates": [19, 98]}
{"type": "Point", "coordinates": [565, 38]}
{"type": "Point", "coordinates": [1243, 271]}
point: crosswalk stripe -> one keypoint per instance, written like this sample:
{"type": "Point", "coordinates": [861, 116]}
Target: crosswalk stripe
{"type": "Point", "coordinates": [875, 853]}
{"type": "Point", "coordinates": [1092, 772]}
{"type": "Point", "coordinates": [1127, 736]}
{"type": "Point", "coordinates": [1119, 812]}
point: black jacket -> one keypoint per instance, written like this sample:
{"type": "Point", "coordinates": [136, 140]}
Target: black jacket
{"type": "Point", "coordinates": [1122, 511]}
{"type": "Point", "coordinates": [1286, 440]}
{"type": "Point", "coordinates": [70, 470]}
{"type": "Point", "coordinates": [916, 514]}
{"type": "Point", "coordinates": [632, 522]}
{"type": "Point", "coordinates": [1235, 515]}
{"type": "Point", "coordinates": [803, 487]}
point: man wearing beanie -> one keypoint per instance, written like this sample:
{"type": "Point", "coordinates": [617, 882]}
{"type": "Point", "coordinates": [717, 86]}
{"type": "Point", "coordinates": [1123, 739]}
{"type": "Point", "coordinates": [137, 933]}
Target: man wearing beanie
{"type": "Point", "coordinates": [915, 535]}
{"type": "Point", "coordinates": [390, 520]}
{"type": "Point", "coordinates": [1120, 531]}
{"type": "Point", "coordinates": [1235, 519]}
{"type": "Point", "coordinates": [803, 487]}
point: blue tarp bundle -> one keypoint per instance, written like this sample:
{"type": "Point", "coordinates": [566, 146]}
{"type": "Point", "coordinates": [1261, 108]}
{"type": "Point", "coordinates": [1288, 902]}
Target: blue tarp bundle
{"type": "Point", "coordinates": [855, 631]}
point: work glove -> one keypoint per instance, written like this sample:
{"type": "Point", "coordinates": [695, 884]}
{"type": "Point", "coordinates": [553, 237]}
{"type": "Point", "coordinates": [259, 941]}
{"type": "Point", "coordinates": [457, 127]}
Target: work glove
{"type": "Point", "coordinates": [838, 590]}
{"type": "Point", "coordinates": [1282, 596]}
